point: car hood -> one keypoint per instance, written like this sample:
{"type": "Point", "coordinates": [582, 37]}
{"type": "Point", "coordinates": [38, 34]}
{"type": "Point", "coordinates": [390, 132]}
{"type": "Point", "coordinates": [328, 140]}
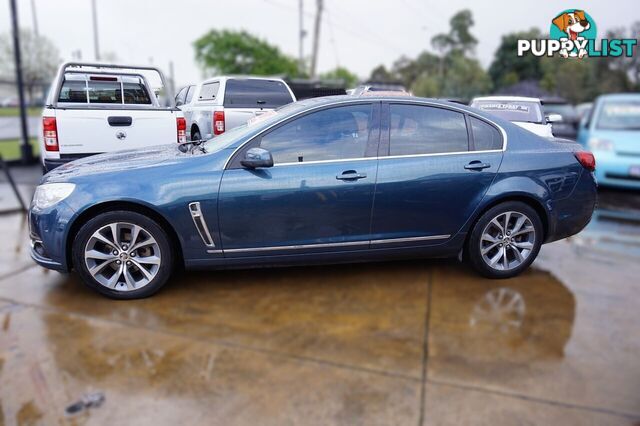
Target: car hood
{"type": "Point", "coordinates": [116, 162]}
{"type": "Point", "coordinates": [624, 141]}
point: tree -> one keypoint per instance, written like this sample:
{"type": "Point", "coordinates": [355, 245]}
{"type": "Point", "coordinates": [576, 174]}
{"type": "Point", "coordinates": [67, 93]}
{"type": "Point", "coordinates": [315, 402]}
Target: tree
{"type": "Point", "coordinates": [459, 38]}
{"type": "Point", "coordinates": [464, 79]}
{"type": "Point", "coordinates": [238, 52]}
{"type": "Point", "coordinates": [40, 60]}
{"type": "Point", "coordinates": [380, 73]}
{"type": "Point", "coordinates": [348, 78]}
{"type": "Point", "coordinates": [507, 68]}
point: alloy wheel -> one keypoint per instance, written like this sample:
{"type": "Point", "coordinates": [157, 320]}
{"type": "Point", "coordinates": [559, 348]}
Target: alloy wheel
{"type": "Point", "coordinates": [507, 240]}
{"type": "Point", "coordinates": [122, 256]}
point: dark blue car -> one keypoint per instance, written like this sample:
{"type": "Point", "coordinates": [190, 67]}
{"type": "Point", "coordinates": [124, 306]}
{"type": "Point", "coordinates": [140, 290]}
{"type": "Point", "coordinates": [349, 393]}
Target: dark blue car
{"type": "Point", "coordinates": [328, 180]}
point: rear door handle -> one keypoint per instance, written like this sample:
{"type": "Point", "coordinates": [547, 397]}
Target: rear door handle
{"type": "Point", "coordinates": [477, 165]}
{"type": "Point", "coordinates": [351, 175]}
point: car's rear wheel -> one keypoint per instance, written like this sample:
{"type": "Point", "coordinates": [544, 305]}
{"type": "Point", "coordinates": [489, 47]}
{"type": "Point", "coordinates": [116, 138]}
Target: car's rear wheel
{"type": "Point", "coordinates": [123, 255]}
{"type": "Point", "coordinates": [505, 240]}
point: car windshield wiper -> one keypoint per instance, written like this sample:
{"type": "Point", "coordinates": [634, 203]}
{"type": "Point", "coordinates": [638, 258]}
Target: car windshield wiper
{"type": "Point", "coordinates": [190, 146]}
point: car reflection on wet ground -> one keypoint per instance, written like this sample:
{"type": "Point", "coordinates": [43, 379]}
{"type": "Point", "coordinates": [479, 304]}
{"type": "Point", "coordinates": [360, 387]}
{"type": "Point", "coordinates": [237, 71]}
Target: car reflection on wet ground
{"type": "Point", "coordinates": [390, 343]}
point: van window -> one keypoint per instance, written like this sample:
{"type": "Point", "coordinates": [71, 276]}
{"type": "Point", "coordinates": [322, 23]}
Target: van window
{"type": "Point", "coordinates": [104, 92]}
{"type": "Point", "coordinates": [255, 93]}
{"type": "Point", "coordinates": [73, 91]}
{"type": "Point", "coordinates": [209, 91]}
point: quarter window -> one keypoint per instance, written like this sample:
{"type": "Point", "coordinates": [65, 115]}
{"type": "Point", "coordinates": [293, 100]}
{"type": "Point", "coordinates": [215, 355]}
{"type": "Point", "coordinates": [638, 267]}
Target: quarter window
{"type": "Point", "coordinates": [209, 91]}
{"type": "Point", "coordinates": [417, 129]}
{"type": "Point", "coordinates": [485, 136]}
{"type": "Point", "coordinates": [190, 94]}
{"type": "Point", "coordinates": [331, 134]}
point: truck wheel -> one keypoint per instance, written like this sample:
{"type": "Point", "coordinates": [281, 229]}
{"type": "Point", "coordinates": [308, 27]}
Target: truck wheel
{"type": "Point", "coordinates": [195, 136]}
{"type": "Point", "coordinates": [123, 255]}
{"type": "Point", "coordinates": [505, 240]}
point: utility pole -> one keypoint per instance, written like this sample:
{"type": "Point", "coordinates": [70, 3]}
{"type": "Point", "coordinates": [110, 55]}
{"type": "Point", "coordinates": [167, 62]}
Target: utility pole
{"type": "Point", "coordinates": [25, 146]}
{"type": "Point", "coordinates": [316, 38]}
{"type": "Point", "coordinates": [35, 18]}
{"type": "Point", "coordinates": [301, 36]}
{"type": "Point", "coordinates": [95, 30]}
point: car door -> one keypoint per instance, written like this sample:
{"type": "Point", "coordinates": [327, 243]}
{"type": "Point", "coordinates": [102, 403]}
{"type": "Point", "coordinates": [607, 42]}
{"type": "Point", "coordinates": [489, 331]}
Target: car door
{"type": "Point", "coordinates": [436, 164]}
{"type": "Point", "coordinates": [318, 195]}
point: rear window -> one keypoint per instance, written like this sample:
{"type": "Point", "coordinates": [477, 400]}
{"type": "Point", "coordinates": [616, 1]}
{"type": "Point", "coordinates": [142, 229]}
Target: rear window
{"type": "Point", "coordinates": [523, 111]}
{"type": "Point", "coordinates": [104, 90]}
{"type": "Point", "coordinates": [73, 91]}
{"type": "Point", "coordinates": [252, 93]}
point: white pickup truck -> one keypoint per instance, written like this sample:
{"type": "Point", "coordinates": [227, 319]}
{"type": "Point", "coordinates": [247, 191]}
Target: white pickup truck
{"type": "Point", "coordinates": [96, 108]}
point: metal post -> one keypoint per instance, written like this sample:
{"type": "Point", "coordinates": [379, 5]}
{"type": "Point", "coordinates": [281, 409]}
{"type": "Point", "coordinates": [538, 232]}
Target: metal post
{"type": "Point", "coordinates": [34, 16]}
{"type": "Point", "coordinates": [25, 146]}
{"type": "Point", "coordinates": [95, 30]}
{"type": "Point", "coordinates": [316, 38]}
{"type": "Point", "coordinates": [301, 35]}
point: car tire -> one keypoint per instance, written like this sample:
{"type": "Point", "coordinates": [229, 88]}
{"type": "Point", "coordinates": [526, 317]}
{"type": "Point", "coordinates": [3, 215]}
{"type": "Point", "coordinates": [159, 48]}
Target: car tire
{"type": "Point", "coordinates": [511, 227]}
{"type": "Point", "coordinates": [132, 264]}
{"type": "Point", "coordinates": [195, 136]}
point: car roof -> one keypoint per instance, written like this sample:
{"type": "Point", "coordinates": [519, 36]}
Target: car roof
{"type": "Point", "coordinates": [239, 77]}
{"type": "Point", "coordinates": [619, 96]}
{"type": "Point", "coordinates": [506, 98]}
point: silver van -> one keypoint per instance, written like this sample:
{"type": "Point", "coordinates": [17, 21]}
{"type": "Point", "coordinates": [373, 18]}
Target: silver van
{"type": "Point", "coordinates": [222, 103]}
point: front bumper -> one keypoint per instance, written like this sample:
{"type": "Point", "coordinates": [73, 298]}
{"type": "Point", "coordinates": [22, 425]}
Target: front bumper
{"type": "Point", "coordinates": [614, 170]}
{"type": "Point", "coordinates": [48, 233]}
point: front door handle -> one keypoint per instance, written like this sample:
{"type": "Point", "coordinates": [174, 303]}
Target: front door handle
{"type": "Point", "coordinates": [351, 175]}
{"type": "Point", "coordinates": [477, 165]}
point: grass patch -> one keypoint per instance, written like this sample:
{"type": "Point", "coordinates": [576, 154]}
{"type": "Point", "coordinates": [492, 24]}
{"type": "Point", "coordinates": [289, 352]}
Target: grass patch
{"type": "Point", "coordinates": [10, 149]}
{"type": "Point", "coordinates": [15, 111]}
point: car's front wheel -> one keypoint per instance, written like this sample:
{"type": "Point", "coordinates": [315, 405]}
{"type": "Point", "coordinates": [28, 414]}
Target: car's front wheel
{"type": "Point", "coordinates": [123, 255]}
{"type": "Point", "coordinates": [505, 240]}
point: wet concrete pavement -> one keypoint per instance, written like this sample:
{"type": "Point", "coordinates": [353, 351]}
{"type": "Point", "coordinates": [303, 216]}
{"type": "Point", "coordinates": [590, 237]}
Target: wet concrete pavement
{"type": "Point", "coordinates": [412, 342]}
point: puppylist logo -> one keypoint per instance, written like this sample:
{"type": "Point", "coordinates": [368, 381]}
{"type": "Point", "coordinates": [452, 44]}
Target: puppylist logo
{"type": "Point", "coordinates": [573, 35]}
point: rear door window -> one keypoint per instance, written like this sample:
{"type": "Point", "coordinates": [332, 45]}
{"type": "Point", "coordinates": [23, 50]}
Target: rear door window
{"type": "Point", "coordinates": [417, 129]}
{"type": "Point", "coordinates": [254, 93]}
{"type": "Point", "coordinates": [209, 91]}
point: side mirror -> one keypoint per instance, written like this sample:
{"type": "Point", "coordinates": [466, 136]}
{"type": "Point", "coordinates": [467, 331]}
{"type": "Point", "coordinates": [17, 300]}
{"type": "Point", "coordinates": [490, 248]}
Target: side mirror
{"type": "Point", "coordinates": [257, 157]}
{"type": "Point", "coordinates": [554, 118]}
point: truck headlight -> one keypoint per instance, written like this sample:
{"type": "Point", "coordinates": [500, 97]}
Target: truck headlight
{"type": "Point", "coordinates": [596, 144]}
{"type": "Point", "coordinates": [51, 193]}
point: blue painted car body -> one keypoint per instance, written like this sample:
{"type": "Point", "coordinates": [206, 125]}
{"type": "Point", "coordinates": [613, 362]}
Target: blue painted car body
{"type": "Point", "coordinates": [617, 151]}
{"type": "Point", "coordinates": [407, 206]}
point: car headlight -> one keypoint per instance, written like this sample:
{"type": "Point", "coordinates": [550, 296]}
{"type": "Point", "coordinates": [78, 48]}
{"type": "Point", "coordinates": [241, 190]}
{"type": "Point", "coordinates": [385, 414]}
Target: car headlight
{"type": "Point", "coordinates": [51, 193]}
{"type": "Point", "coordinates": [596, 144]}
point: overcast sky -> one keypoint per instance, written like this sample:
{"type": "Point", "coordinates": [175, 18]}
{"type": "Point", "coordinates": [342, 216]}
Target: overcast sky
{"type": "Point", "coordinates": [357, 34]}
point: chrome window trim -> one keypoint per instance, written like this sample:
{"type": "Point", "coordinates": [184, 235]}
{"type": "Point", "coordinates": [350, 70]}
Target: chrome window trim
{"type": "Point", "coordinates": [371, 101]}
{"type": "Point", "coordinates": [343, 244]}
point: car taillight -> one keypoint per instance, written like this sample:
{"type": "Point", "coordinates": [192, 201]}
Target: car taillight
{"type": "Point", "coordinates": [218, 122]}
{"type": "Point", "coordinates": [587, 160]}
{"type": "Point", "coordinates": [181, 125]}
{"type": "Point", "coordinates": [50, 133]}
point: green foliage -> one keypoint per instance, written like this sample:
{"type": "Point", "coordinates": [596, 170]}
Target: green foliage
{"type": "Point", "coordinates": [507, 68]}
{"type": "Point", "coordinates": [340, 73]}
{"type": "Point", "coordinates": [238, 52]}
{"type": "Point", "coordinates": [459, 38]}
{"type": "Point", "coordinates": [380, 73]}
{"type": "Point", "coordinates": [464, 78]}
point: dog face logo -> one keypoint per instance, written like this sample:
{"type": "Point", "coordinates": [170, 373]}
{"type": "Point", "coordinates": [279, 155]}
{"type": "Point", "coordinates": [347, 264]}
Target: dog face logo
{"type": "Point", "coordinates": [572, 23]}
{"type": "Point", "coordinates": [573, 26]}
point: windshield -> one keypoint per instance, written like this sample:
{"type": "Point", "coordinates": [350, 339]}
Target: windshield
{"type": "Point", "coordinates": [524, 111]}
{"type": "Point", "coordinates": [565, 110]}
{"type": "Point", "coordinates": [619, 115]}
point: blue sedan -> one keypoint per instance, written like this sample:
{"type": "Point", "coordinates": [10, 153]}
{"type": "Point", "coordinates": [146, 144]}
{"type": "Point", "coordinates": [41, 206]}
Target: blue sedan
{"type": "Point", "coordinates": [326, 180]}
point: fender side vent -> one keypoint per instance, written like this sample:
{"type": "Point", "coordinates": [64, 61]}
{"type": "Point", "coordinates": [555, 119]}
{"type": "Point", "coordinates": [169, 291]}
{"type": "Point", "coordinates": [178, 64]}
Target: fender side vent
{"type": "Point", "coordinates": [201, 225]}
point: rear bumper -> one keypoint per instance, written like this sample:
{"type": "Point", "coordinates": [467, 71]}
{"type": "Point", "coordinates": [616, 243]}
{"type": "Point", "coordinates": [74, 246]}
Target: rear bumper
{"type": "Point", "coordinates": [572, 214]}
